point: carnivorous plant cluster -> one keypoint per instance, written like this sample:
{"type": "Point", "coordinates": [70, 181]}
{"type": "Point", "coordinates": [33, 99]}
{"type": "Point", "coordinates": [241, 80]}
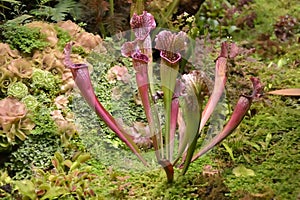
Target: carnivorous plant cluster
{"type": "Point", "coordinates": [183, 96]}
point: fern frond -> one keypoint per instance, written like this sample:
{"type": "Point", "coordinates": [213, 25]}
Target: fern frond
{"type": "Point", "coordinates": [115, 23]}
{"type": "Point", "coordinates": [60, 10]}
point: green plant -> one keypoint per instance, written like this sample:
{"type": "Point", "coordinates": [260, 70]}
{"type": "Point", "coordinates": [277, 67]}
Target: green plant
{"type": "Point", "coordinates": [4, 7]}
{"type": "Point", "coordinates": [35, 151]}
{"type": "Point", "coordinates": [45, 80]}
{"type": "Point", "coordinates": [191, 87]}
{"type": "Point", "coordinates": [63, 36]}
{"type": "Point", "coordinates": [23, 38]}
{"type": "Point", "coordinates": [6, 185]}
{"type": "Point", "coordinates": [59, 11]}
{"type": "Point", "coordinates": [38, 148]}
{"type": "Point", "coordinates": [31, 102]}
{"type": "Point", "coordinates": [14, 123]}
{"type": "Point", "coordinates": [71, 179]}
{"type": "Point", "coordinates": [17, 90]}
{"type": "Point", "coordinates": [269, 137]}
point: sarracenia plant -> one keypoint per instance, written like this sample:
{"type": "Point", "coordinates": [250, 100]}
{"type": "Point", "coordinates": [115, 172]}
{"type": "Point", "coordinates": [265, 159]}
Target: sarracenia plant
{"type": "Point", "coordinates": [183, 97]}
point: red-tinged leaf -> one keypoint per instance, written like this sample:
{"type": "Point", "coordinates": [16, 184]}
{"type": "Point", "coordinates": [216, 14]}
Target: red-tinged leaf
{"type": "Point", "coordinates": [174, 115]}
{"type": "Point", "coordinates": [234, 50]}
{"type": "Point", "coordinates": [219, 86]}
{"type": "Point", "coordinates": [140, 64]}
{"type": "Point", "coordinates": [286, 92]}
{"type": "Point", "coordinates": [168, 167]}
{"type": "Point", "coordinates": [55, 162]}
{"type": "Point", "coordinates": [82, 79]}
{"type": "Point", "coordinates": [84, 157]}
{"type": "Point", "coordinates": [143, 88]}
{"type": "Point", "coordinates": [68, 163]}
{"type": "Point", "coordinates": [181, 127]}
{"type": "Point", "coordinates": [237, 116]}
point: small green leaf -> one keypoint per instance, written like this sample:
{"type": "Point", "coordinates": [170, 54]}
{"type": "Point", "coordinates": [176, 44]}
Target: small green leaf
{"type": "Point", "coordinates": [253, 144]}
{"type": "Point", "coordinates": [59, 157]}
{"type": "Point", "coordinates": [229, 150]}
{"type": "Point", "coordinates": [54, 192]}
{"type": "Point", "coordinates": [83, 158]}
{"type": "Point", "coordinates": [74, 165]}
{"type": "Point", "coordinates": [68, 163]}
{"type": "Point", "coordinates": [26, 188]}
{"type": "Point", "coordinates": [44, 186]}
{"type": "Point", "coordinates": [242, 171]}
{"type": "Point", "coordinates": [268, 140]}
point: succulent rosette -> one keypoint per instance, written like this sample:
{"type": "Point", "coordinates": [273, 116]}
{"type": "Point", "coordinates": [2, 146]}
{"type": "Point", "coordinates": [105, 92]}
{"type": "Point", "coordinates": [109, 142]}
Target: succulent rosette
{"type": "Point", "coordinates": [88, 41]}
{"type": "Point", "coordinates": [17, 90]}
{"type": "Point", "coordinates": [67, 81]}
{"type": "Point", "coordinates": [6, 78]}
{"type": "Point", "coordinates": [72, 28]}
{"type": "Point", "coordinates": [44, 79]}
{"type": "Point", "coordinates": [20, 67]}
{"type": "Point", "coordinates": [31, 102]}
{"type": "Point", "coordinates": [13, 121]}
{"type": "Point", "coordinates": [7, 54]}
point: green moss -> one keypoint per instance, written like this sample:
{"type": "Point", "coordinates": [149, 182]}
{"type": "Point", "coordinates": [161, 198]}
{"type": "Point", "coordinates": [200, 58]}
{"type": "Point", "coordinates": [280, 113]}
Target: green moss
{"type": "Point", "coordinates": [36, 151]}
{"type": "Point", "coordinates": [269, 146]}
{"type": "Point", "coordinates": [151, 183]}
{"type": "Point", "coordinates": [23, 38]}
{"type": "Point", "coordinates": [63, 37]}
{"type": "Point", "coordinates": [44, 122]}
{"type": "Point", "coordinates": [267, 13]}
